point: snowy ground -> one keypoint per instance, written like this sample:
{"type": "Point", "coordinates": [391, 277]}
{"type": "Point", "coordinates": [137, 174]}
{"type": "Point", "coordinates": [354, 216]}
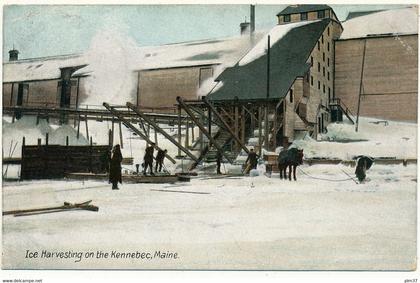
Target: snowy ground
{"type": "Point", "coordinates": [231, 223]}
{"type": "Point", "coordinates": [234, 223]}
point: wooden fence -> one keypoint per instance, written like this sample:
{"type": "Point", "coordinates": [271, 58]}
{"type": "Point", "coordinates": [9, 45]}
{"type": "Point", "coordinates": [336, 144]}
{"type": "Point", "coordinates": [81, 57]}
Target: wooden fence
{"type": "Point", "coordinates": [54, 161]}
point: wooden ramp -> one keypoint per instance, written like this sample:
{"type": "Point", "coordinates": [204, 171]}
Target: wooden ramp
{"type": "Point", "coordinates": [133, 179]}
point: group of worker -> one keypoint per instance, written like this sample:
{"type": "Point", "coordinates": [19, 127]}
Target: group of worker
{"type": "Point", "coordinates": [148, 159]}
{"type": "Point", "coordinates": [116, 159]}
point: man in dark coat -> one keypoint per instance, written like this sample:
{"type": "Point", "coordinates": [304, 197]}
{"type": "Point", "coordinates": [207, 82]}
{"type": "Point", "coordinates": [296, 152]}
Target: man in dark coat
{"type": "Point", "coordinates": [363, 164]}
{"type": "Point", "coordinates": [251, 162]}
{"type": "Point", "coordinates": [148, 159]}
{"type": "Point", "coordinates": [219, 158]}
{"type": "Point", "coordinates": [115, 167]}
{"type": "Point", "coordinates": [160, 157]}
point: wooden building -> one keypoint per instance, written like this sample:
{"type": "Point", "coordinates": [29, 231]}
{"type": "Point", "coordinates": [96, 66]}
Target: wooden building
{"type": "Point", "coordinates": [293, 82]}
{"type": "Point", "coordinates": [44, 82]}
{"type": "Point", "coordinates": [299, 13]}
{"type": "Point", "coordinates": [376, 70]}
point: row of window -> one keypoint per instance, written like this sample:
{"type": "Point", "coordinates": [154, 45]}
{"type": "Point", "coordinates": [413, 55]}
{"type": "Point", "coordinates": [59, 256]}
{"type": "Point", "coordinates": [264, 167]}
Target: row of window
{"type": "Point", "coordinates": [319, 86]}
{"type": "Point", "coordinates": [304, 16]}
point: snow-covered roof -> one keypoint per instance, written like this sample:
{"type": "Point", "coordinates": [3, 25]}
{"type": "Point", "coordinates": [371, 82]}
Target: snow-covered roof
{"type": "Point", "coordinates": [226, 51]}
{"type": "Point", "coordinates": [396, 21]}
{"type": "Point", "coordinates": [39, 68]}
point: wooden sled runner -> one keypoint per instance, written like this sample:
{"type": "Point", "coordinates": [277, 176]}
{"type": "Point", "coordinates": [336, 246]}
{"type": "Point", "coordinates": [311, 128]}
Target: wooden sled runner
{"type": "Point", "coordinates": [66, 206]}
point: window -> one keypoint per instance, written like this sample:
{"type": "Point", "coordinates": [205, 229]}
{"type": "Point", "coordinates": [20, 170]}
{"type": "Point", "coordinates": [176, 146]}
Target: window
{"type": "Point", "coordinates": [322, 39]}
{"type": "Point", "coordinates": [312, 80]}
{"type": "Point", "coordinates": [319, 85]}
{"type": "Point", "coordinates": [321, 14]}
{"type": "Point", "coordinates": [307, 77]}
{"type": "Point", "coordinates": [328, 75]}
{"type": "Point", "coordinates": [323, 88]}
{"type": "Point", "coordinates": [329, 94]}
{"type": "Point", "coordinates": [328, 31]}
{"type": "Point", "coordinates": [319, 46]}
{"type": "Point", "coordinates": [323, 56]}
{"type": "Point", "coordinates": [312, 61]}
{"type": "Point", "coordinates": [328, 62]}
{"type": "Point", "coordinates": [323, 71]}
{"type": "Point", "coordinates": [303, 16]}
{"type": "Point", "coordinates": [319, 67]}
{"type": "Point", "coordinates": [328, 46]}
{"type": "Point", "coordinates": [205, 73]}
{"type": "Point", "coordinates": [286, 18]}
{"type": "Point", "coordinates": [291, 96]}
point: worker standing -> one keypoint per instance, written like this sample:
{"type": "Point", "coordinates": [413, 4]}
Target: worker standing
{"type": "Point", "coordinates": [160, 157]}
{"type": "Point", "coordinates": [115, 167]}
{"type": "Point", "coordinates": [251, 162]}
{"type": "Point", "coordinates": [148, 158]}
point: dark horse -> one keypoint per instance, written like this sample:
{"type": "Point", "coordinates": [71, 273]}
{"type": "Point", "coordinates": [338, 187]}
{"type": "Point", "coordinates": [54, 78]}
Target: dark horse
{"type": "Point", "coordinates": [288, 158]}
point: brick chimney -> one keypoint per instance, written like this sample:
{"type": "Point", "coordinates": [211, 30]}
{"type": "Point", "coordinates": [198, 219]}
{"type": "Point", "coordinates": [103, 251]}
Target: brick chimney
{"type": "Point", "coordinates": [13, 55]}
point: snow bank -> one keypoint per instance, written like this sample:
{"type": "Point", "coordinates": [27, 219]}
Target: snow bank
{"type": "Point", "coordinates": [396, 21]}
{"type": "Point", "coordinates": [24, 127]}
{"type": "Point", "coordinates": [397, 139]}
{"type": "Point", "coordinates": [59, 135]}
{"type": "Point", "coordinates": [276, 34]}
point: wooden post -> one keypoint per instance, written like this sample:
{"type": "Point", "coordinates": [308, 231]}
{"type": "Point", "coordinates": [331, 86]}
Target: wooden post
{"type": "Point", "coordinates": [78, 127]}
{"type": "Point", "coordinates": [86, 126]}
{"type": "Point", "coordinates": [260, 130]}
{"type": "Point", "coordinates": [22, 165]}
{"type": "Point", "coordinates": [187, 134]}
{"type": "Point", "coordinates": [67, 140]}
{"type": "Point", "coordinates": [113, 129]}
{"type": "Point", "coordinates": [90, 155]}
{"type": "Point", "coordinates": [200, 134]}
{"type": "Point", "coordinates": [121, 136]}
{"type": "Point", "coordinates": [209, 121]}
{"type": "Point", "coordinates": [46, 139]}
{"type": "Point", "coordinates": [236, 125]}
{"type": "Point", "coordinates": [243, 124]}
{"type": "Point", "coordinates": [110, 139]}
{"type": "Point", "coordinates": [252, 120]}
{"type": "Point", "coordinates": [360, 86]}
{"type": "Point", "coordinates": [274, 137]}
{"type": "Point", "coordinates": [156, 133]}
{"type": "Point", "coordinates": [179, 129]}
{"type": "Point", "coordinates": [266, 127]}
{"type": "Point", "coordinates": [192, 132]}
{"type": "Point", "coordinates": [39, 142]}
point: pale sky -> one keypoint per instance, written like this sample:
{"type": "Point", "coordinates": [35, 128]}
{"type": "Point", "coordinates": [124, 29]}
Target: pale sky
{"type": "Point", "coordinates": [45, 30]}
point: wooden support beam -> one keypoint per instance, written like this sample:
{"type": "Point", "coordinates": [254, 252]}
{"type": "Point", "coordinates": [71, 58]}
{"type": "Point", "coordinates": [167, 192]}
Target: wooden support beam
{"type": "Point", "coordinates": [78, 127]}
{"type": "Point", "coordinates": [156, 133]}
{"type": "Point", "coordinates": [187, 135]}
{"type": "Point", "coordinates": [179, 130]}
{"type": "Point", "coordinates": [160, 130]}
{"type": "Point", "coordinates": [192, 132]}
{"type": "Point", "coordinates": [87, 128]}
{"type": "Point", "coordinates": [266, 128]}
{"type": "Point", "coordinates": [225, 124]}
{"type": "Point", "coordinates": [243, 119]}
{"type": "Point", "coordinates": [67, 140]}
{"type": "Point", "coordinates": [46, 138]}
{"type": "Point", "coordinates": [121, 136]}
{"type": "Point", "coordinates": [236, 124]}
{"type": "Point", "coordinates": [128, 124]}
{"type": "Point", "coordinates": [202, 128]}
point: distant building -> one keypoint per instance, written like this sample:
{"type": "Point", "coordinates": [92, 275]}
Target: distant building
{"type": "Point", "coordinates": [377, 64]}
{"type": "Point", "coordinates": [299, 13]}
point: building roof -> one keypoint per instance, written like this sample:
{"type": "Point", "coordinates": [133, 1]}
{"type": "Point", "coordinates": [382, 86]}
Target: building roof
{"type": "Point", "coordinates": [296, 9]}
{"type": "Point", "coordinates": [352, 15]}
{"type": "Point", "coordinates": [224, 52]}
{"type": "Point", "coordinates": [389, 22]}
{"type": "Point", "coordinates": [288, 60]}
